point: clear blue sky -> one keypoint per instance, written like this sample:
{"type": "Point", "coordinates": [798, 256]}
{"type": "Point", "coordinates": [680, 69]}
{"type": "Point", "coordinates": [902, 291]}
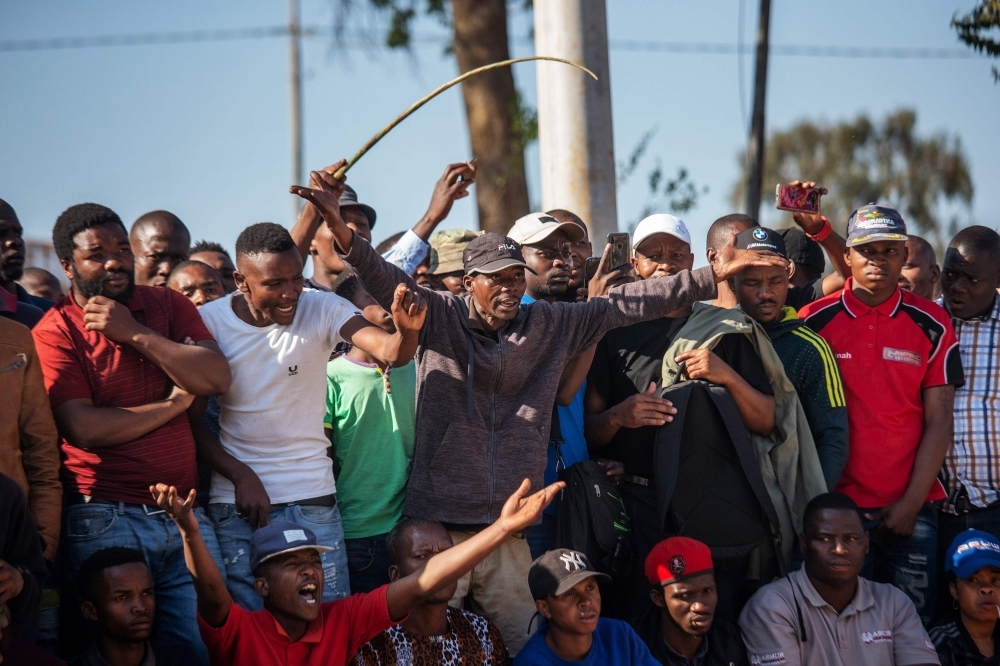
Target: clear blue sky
{"type": "Point", "coordinates": [202, 129]}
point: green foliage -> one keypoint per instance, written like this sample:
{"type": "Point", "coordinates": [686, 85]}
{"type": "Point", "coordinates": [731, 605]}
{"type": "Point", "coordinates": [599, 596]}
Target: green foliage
{"type": "Point", "coordinates": [678, 194]}
{"type": "Point", "coordinates": [525, 119]}
{"type": "Point", "coordinates": [862, 161]}
{"type": "Point", "coordinates": [974, 26]}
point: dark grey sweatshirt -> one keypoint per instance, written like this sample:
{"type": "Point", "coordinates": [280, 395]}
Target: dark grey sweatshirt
{"type": "Point", "coordinates": [466, 466]}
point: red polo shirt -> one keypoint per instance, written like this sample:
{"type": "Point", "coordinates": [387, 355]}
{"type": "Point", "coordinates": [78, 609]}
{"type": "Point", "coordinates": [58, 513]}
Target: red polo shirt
{"type": "Point", "coordinates": [78, 363]}
{"type": "Point", "coordinates": [331, 640]}
{"type": "Point", "coordinates": [887, 355]}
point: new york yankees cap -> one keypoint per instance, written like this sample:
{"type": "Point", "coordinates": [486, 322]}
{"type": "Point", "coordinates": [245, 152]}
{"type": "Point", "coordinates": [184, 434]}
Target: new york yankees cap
{"type": "Point", "coordinates": [557, 571]}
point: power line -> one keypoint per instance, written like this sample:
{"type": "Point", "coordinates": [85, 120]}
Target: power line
{"type": "Point", "coordinates": [272, 32]}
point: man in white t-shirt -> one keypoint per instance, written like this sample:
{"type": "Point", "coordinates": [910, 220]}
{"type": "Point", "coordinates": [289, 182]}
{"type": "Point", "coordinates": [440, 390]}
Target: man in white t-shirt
{"type": "Point", "coordinates": [270, 461]}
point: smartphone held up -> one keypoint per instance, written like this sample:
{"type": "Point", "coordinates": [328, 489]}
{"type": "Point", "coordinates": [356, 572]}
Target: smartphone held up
{"type": "Point", "coordinates": [797, 199]}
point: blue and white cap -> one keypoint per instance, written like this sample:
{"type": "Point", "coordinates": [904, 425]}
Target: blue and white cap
{"type": "Point", "coordinates": [281, 537]}
{"type": "Point", "coordinates": [971, 551]}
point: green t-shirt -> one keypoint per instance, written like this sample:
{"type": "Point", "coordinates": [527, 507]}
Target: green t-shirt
{"type": "Point", "coordinates": [371, 419]}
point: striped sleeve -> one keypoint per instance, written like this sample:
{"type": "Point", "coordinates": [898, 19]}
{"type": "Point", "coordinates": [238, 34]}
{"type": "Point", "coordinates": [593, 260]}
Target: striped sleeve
{"type": "Point", "coordinates": [831, 373]}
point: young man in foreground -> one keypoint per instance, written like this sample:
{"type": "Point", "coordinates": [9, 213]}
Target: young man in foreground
{"type": "Point", "coordinates": [295, 627]}
{"type": "Point", "coordinates": [826, 613]}
{"type": "Point", "coordinates": [683, 628]}
{"type": "Point", "coordinates": [571, 631]}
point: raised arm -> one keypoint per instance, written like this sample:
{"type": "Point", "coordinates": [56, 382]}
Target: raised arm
{"type": "Point", "coordinates": [628, 304]}
{"type": "Point", "coordinates": [451, 187]}
{"type": "Point", "coordinates": [214, 601]}
{"type": "Point", "coordinates": [90, 427]}
{"type": "Point", "coordinates": [304, 229]}
{"type": "Point", "coordinates": [200, 369]}
{"type": "Point", "coordinates": [380, 277]}
{"type": "Point", "coordinates": [409, 310]}
{"type": "Point", "coordinates": [445, 568]}
{"type": "Point", "coordinates": [833, 244]}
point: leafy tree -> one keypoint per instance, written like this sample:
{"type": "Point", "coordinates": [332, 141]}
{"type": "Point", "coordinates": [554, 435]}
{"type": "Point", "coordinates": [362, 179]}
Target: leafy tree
{"type": "Point", "coordinates": [678, 194]}
{"type": "Point", "coordinates": [862, 161]}
{"type": "Point", "coordinates": [500, 124]}
{"type": "Point", "coordinates": [973, 27]}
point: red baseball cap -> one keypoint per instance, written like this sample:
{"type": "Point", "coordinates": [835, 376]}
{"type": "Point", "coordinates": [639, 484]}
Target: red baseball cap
{"type": "Point", "coordinates": [676, 559]}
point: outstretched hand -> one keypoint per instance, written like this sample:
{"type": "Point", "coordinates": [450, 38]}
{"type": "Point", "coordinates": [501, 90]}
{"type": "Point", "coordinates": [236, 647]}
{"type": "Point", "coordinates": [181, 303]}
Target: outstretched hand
{"type": "Point", "coordinates": [520, 511]}
{"type": "Point", "coordinates": [180, 510]}
{"type": "Point", "coordinates": [731, 261]}
{"type": "Point", "coordinates": [324, 193]}
{"type": "Point", "coordinates": [409, 309]}
{"type": "Point", "coordinates": [451, 187]}
{"type": "Point", "coordinates": [605, 278]}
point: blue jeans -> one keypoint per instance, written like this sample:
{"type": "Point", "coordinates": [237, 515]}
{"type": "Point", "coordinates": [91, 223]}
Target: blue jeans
{"type": "Point", "coordinates": [234, 531]}
{"type": "Point", "coordinates": [542, 537]}
{"type": "Point", "coordinates": [910, 563]}
{"type": "Point", "coordinates": [89, 528]}
{"type": "Point", "coordinates": [367, 562]}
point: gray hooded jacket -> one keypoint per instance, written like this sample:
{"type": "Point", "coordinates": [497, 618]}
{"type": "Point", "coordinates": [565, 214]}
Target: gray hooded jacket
{"type": "Point", "coordinates": [472, 450]}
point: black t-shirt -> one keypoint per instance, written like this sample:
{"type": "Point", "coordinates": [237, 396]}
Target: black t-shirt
{"type": "Point", "coordinates": [799, 297]}
{"type": "Point", "coordinates": [629, 358]}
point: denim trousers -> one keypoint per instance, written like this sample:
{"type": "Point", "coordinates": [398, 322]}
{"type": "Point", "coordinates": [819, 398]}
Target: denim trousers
{"type": "Point", "coordinates": [89, 528]}
{"type": "Point", "coordinates": [233, 533]}
{"type": "Point", "coordinates": [367, 563]}
{"type": "Point", "coordinates": [950, 525]}
{"type": "Point", "coordinates": [909, 563]}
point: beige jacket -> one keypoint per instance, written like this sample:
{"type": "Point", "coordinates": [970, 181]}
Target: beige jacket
{"type": "Point", "coordinates": [29, 449]}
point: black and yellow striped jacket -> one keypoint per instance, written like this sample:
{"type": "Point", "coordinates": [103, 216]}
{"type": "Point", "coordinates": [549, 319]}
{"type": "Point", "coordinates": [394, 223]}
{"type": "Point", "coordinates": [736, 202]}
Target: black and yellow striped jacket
{"type": "Point", "coordinates": [812, 368]}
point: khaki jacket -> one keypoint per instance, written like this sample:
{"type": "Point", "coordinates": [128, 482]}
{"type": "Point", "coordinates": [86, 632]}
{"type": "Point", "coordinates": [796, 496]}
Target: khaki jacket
{"type": "Point", "coordinates": [29, 449]}
{"type": "Point", "coordinates": [787, 457]}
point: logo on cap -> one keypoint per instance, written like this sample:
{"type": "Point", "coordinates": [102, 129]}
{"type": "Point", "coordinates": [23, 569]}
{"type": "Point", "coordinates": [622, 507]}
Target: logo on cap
{"type": "Point", "coordinates": [759, 234]}
{"type": "Point", "coordinates": [677, 565]}
{"type": "Point", "coordinates": [295, 535]}
{"type": "Point", "coordinates": [572, 559]}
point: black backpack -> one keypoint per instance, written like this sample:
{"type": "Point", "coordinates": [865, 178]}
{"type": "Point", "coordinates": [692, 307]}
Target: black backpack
{"type": "Point", "coordinates": [591, 518]}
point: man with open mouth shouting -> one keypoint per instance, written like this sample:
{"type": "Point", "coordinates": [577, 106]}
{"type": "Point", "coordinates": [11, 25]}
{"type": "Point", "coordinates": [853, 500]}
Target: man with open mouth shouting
{"type": "Point", "coordinates": [295, 626]}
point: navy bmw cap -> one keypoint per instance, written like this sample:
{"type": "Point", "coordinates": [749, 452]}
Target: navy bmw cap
{"type": "Point", "coordinates": [761, 239]}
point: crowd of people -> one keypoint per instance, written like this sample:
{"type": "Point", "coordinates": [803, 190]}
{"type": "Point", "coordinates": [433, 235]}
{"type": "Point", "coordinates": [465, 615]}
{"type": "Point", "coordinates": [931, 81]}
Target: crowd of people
{"type": "Point", "coordinates": [474, 448]}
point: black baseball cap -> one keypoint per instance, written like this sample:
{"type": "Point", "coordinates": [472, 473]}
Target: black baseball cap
{"type": "Point", "coordinates": [491, 253]}
{"type": "Point", "coordinates": [875, 222]}
{"type": "Point", "coordinates": [349, 199]}
{"type": "Point", "coordinates": [804, 251]}
{"type": "Point", "coordinates": [761, 239]}
{"type": "Point", "coordinates": [557, 571]}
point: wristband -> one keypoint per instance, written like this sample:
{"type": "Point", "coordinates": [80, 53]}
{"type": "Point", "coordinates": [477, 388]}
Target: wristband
{"type": "Point", "coordinates": [824, 233]}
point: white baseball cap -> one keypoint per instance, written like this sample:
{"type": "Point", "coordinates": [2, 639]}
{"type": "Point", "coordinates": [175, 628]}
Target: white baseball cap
{"type": "Point", "coordinates": [661, 223]}
{"type": "Point", "coordinates": [536, 227]}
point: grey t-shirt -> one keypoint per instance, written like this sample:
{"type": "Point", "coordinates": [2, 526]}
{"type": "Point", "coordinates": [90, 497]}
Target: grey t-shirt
{"type": "Point", "coordinates": [788, 622]}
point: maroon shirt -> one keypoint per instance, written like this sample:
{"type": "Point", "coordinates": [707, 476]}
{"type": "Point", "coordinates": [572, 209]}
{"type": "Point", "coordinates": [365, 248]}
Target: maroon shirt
{"type": "Point", "coordinates": [78, 363]}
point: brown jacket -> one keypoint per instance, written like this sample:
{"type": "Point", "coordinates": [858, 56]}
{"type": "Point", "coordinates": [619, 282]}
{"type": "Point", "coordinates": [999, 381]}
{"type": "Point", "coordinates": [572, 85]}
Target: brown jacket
{"type": "Point", "coordinates": [483, 417]}
{"type": "Point", "coordinates": [29, 450]}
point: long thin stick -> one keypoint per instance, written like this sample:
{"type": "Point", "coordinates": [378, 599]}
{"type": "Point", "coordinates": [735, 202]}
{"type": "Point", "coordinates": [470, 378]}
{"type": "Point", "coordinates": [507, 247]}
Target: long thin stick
{"type": "Point", "coordinates": [423, 100]}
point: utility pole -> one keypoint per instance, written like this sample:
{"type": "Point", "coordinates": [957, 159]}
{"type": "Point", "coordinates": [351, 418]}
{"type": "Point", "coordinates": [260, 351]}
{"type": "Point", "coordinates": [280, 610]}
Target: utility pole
{"type": "Point", "coordinates": [295, 36]}
{"type": "Point", "coordinates": [755, 146]}
{"type": "Point", "coordinates": [576, 144]}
